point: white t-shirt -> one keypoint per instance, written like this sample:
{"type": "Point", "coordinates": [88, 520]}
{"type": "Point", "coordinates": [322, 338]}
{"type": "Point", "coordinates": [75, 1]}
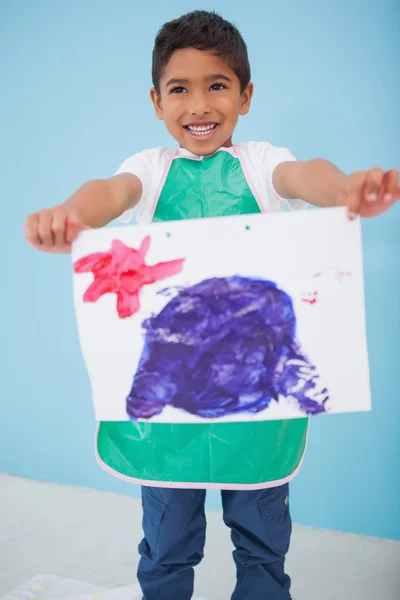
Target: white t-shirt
{"type": "Point", "coordinates": [258, 160]}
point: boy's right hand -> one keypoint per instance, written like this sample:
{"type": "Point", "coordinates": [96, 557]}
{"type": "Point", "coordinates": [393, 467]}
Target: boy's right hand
{"type": "Point", "coordinates": [53, 229]}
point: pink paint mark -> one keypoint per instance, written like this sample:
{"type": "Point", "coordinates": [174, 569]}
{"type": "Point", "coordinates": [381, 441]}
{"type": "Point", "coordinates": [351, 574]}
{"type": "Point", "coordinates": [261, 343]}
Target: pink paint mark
{"type": "Point", "coordinates": [342, 275]}
{"type": "Point", "coordinates": [337, 274]}
{"type": "Point", "coordinates": [331, 273]}
{"type": "Point", "coordinates": [122, 271]}
{"type": "Point", "coordinates": [310, 297]}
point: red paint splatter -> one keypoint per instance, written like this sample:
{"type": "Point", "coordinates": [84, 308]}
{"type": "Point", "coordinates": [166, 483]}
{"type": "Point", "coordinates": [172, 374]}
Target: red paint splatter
{"type": "Point", "coordinates": [122, 271]}
{"type": "Point", "coordinates": [310, 297]}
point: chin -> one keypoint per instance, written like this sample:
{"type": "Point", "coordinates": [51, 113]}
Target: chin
{"type": "Point", "coordinates": [204, 147]}
{"type": "Point", "coordinates": [201, 148]}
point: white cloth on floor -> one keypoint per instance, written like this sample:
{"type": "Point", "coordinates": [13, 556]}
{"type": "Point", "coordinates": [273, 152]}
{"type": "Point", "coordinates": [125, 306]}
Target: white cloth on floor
{"type": "Point", "coordinates": [52, 587]}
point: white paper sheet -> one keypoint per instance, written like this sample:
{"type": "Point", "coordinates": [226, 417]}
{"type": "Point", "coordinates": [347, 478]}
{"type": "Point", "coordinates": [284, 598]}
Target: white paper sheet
{"type": "Point", "coordinates": [315, 257]}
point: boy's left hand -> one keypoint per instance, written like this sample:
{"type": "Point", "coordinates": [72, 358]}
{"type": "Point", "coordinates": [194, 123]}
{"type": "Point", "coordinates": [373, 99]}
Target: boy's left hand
{"type": "Point", "coordinates": [370, 193]}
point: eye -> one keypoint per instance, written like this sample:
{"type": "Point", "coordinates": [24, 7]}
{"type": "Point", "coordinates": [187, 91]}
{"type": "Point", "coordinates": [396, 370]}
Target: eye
{"type": "Point", "coordinates": [178, 90]}
{"type": "Point", "coordinates": [216, 87]}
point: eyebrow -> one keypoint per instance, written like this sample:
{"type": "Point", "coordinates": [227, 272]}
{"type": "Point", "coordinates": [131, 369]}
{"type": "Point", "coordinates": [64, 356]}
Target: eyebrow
{"type": "Point", "coordinates": [177, 81]}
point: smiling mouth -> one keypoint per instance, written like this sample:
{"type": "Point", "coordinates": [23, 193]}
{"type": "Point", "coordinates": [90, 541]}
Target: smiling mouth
{"type": "Point", "coordinates": [201, 130]}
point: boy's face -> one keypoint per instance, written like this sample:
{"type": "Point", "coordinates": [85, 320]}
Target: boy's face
{"type": "Point", "coordinates": [200, 101]}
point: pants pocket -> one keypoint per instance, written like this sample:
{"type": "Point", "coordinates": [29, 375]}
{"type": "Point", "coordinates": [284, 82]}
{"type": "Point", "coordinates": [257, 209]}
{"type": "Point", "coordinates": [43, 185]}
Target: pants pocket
{"type": "Point", "coordinates": [274, 508]}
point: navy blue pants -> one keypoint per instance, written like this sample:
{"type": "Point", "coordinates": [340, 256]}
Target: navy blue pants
{"type": "Point", "coordinates": [174, 525]}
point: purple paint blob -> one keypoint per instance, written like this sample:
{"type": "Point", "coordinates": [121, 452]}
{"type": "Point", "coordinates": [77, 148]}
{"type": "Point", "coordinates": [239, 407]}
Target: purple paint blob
{"type": "Point", "coordinates": [221, 347]}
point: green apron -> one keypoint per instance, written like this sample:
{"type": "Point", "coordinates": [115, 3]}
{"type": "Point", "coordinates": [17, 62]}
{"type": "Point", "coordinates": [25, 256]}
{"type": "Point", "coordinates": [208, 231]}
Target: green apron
{"type": "Point", "coordinates": [239, 455]}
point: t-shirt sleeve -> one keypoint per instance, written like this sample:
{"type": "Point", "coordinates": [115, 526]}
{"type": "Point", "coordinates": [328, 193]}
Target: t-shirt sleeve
{"type": "Point", "coordinates": [266, 158]}
{"type": "Point", "coordinates": [139, 164]}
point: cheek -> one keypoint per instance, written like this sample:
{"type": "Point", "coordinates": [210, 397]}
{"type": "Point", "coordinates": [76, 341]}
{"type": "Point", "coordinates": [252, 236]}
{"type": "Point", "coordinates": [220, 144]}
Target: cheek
{"type": "Point", "coordinates": [172, 112]}
{"type": "Point", "coordinates": [230, 107]}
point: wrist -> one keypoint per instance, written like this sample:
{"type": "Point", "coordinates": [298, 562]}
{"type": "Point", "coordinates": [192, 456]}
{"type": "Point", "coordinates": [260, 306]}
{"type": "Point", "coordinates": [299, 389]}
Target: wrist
{"type": "Point", "coordinates": [92, 203]}
{"type": "Point", "coordinates": [340, 196]}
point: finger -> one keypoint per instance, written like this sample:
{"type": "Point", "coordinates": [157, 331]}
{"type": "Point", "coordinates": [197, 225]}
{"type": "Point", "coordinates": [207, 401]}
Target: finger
{"type": "Point", "coordinates": [64, 249]}
{"type": "Point", "coordinates": [59, 227]}
{"type": "Point", "coordinates": [45, 228]}
{"type": "Point", "coordinates": [31, 230]}
{"type": "Point", "coordinates": [354, 193]}
{"type": "Point", "coordinates": [74, 226]}
{"type": "Point", "coordinates": [391, 185]}
{"type": "Point", "coordinates": [373, 184]}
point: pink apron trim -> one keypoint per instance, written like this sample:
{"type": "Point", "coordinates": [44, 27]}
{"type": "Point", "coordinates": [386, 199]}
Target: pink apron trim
{"type": "Point", "coordinates": [161, 184]}
{"type": "Point", "coordinates": [248, 177]}
{"type": "Point", "coordinates": [198, 485]}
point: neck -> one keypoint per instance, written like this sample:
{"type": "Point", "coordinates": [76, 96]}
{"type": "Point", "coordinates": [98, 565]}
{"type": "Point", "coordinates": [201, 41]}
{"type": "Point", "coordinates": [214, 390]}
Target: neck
{"type": "Point", "coordinates": [227, 144]}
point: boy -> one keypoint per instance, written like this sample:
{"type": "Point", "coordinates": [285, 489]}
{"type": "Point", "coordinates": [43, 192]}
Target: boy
{"type": "Point", "coordinates": [201, 79]}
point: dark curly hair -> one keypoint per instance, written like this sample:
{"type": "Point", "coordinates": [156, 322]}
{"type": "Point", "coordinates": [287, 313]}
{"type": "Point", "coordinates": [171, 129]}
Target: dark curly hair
{"type": "Point", "coordinates": [205, 31]}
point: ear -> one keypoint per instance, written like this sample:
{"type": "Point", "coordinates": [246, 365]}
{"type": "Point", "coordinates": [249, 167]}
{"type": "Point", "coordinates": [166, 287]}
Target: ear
{"type": "Point", "coordinates": [245, 99]}
{"type": "Point", "coordinates": [156, 100]}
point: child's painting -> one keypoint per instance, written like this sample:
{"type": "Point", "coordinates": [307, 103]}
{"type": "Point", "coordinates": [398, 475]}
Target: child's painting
{"type": "Point", "coordinates": [229, 319]}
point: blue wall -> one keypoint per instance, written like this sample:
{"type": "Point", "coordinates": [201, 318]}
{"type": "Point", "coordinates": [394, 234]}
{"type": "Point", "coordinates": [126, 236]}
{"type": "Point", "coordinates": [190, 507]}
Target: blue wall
{"type": "Point", "coordinates": [74, 103]}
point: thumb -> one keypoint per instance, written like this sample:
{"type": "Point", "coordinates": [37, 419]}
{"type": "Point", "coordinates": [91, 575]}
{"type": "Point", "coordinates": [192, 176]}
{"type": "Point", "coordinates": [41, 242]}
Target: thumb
{"type": "Point", "coordinates": [353, 193]}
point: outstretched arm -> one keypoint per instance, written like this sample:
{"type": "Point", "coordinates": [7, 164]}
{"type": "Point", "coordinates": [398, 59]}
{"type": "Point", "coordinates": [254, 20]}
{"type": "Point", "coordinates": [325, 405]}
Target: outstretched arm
{"type": "Point", "coordinates": [94, 204]}
{"type": "Point", "coordinates": [319, 182]}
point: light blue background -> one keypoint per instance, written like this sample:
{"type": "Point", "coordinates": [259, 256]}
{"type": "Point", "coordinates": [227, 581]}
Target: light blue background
{"type": "Point", "coordinates": [74, 103]}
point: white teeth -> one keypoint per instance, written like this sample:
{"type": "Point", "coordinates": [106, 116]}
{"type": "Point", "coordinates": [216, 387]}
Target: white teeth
{"type": "Point", "coordinates": [201, 129]}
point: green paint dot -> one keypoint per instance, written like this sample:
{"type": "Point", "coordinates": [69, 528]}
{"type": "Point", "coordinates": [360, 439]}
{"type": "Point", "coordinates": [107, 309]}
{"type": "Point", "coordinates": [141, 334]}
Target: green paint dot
{"type": "Point", "coordinates": [247, 227]}
{"type": "Point", "coordinates": [168, 235]}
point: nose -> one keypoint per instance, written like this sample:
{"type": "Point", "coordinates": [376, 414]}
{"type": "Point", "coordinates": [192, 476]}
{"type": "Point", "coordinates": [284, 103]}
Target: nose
{"type": "Point", "coordinates": [199, 104]}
